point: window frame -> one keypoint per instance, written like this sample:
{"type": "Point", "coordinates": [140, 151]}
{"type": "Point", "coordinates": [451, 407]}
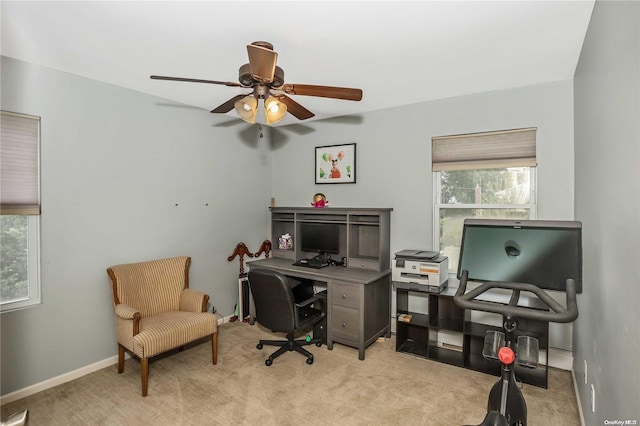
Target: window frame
{"type": "Point", "coordinates": [33, 269]}
{"type": "Point", "coordinates": [438, 204]}
{"type": "Point", "coordinates": [32, 212]}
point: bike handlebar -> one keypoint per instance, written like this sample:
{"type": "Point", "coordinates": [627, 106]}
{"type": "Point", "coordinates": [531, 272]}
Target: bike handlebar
{"type": "Point", "coordinates": [556, 312]}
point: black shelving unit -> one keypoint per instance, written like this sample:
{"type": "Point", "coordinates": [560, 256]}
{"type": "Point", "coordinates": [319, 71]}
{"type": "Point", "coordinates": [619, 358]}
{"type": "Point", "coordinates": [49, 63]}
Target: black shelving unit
{"type": "Point", "coordinates": [419, 336]}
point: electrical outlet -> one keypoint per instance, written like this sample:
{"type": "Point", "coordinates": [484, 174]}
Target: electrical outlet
{"type": "Point", "coordinates": [585, 371]}
{"type": "Point", "coordinates": [593, 399]}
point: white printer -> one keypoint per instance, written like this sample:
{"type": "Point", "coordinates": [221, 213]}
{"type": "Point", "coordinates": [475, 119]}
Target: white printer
{"type": "Point", "coordinates": [422, 269]}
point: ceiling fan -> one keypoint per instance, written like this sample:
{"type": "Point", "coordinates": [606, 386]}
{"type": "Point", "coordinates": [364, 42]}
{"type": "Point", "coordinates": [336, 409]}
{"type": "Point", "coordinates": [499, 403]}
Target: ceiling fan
{"type": "Point", "coordinates": [266, 80]}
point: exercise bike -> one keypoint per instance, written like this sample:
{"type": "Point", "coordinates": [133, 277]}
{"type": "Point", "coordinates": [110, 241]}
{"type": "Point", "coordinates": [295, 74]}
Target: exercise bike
{"type": "Point", "coordinates": [506, 405]}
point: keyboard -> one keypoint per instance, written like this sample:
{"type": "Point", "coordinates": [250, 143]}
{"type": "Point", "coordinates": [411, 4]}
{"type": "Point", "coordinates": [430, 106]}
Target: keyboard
{"type": "Point", "coordinates": [310, 263]}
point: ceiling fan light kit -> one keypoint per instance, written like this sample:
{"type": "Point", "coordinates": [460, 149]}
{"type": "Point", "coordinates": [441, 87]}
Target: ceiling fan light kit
{"type": "Point", "coordinates": [274, 110]}
{"type": "Point", "coordinates": [262, 75]}
{"type": "Point", "coordinates": [247, 108]}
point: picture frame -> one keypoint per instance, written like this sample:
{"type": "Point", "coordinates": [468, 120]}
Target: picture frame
{"type": "Point", "coordinates": [335, 164]}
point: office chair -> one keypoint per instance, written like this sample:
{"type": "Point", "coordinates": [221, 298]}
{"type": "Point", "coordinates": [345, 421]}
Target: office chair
{"type": "Point", "coordinates": [277, 310]}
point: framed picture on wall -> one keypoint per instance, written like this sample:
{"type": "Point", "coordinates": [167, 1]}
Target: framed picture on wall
{"type": "Point", "coordinates": [336, 163]}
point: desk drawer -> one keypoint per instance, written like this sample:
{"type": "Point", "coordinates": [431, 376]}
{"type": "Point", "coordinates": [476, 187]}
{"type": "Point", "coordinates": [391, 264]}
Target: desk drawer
{"type": "Point", "coordinates": [372, 265]}
{"type": "Point", "coordinates": [345, 294]}
{"type": "Point", "coordinates": [344, 323]}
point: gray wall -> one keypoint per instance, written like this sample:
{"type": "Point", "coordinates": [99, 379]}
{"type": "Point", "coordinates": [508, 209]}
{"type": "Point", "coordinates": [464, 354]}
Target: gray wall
{"type": "Point", "coordinates": [114, 165]}
{"type": "Point", "coordinates": [607, 152]}
{"type": "Point", "coordinates": [394, 154]}
{"type": "Point", "coordinates": [394, 159]}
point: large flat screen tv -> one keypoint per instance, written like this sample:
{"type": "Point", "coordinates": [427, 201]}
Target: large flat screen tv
{"type": "Point", "coordinates": [540, 252]}
{"type": "Point", "coordinates": [321, 238]}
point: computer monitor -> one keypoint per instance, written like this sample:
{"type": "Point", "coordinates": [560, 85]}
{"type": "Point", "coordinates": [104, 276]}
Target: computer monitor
{"type": "Point", "coordinates": [323, 238]}
{"type": "Point", "coordinates": [539, 252]}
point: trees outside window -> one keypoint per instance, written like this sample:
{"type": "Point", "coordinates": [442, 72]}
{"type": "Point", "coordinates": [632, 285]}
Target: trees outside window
{"type": "Point", "coordinates": [14, 258]}
{"type": "Point", "coordinates": [500, 193]}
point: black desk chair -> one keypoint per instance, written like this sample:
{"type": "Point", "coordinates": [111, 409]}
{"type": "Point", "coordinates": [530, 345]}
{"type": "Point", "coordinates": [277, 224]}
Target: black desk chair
{"type": "Point", "coordinates": [276, 309]}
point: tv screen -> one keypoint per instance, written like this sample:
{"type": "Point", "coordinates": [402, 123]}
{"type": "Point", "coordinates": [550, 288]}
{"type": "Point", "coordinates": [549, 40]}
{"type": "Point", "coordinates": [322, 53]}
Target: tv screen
{"type": "Point", "coordinates": [320, 237]}
{"type": "Point", "coordinates": [543, 253]}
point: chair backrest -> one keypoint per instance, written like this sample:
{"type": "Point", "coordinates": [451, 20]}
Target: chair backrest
{"type": "Point", "coordinates": [273, 299]}
{"type": "Point", "coordinates": [151, 287]}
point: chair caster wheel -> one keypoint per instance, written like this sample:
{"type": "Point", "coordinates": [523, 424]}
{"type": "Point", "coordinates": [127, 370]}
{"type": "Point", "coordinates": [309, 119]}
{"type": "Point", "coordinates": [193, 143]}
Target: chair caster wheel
{"type": "Point", "coordinates": [310, 360]}
{"type": "Point", "coordinates": [268, 362]}
{"type": "Point", "coordinates": [259, 346]}
{"type": "Point", "coordinates": [318, 344]}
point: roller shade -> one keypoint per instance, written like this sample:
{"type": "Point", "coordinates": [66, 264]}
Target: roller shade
{"type": "Point", "coordinates": [489, 150]}
{"type": "Point", "coordinates": [19, 161]}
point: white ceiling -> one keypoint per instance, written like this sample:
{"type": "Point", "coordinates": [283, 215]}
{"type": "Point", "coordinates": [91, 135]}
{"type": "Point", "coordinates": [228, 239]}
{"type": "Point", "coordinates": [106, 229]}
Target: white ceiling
{"type": "Point", "coordinates": [398, 53]}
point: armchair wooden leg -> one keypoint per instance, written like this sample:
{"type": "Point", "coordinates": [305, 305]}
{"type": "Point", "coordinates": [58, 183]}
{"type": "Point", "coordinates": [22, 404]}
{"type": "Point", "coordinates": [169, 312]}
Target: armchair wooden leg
{"type": "Point", "coordinates": [214, 348]}
{"type": "Point", "coordinates": [144, 372]}
{"type": "Point", "coordinates": [120, 358]}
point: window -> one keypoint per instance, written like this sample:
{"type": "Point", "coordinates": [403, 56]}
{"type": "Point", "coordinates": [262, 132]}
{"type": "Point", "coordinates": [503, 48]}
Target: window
{"type": "Point", "coordinates": [481, 175]}
{"type": "Point", "coordinates": [19, 211]}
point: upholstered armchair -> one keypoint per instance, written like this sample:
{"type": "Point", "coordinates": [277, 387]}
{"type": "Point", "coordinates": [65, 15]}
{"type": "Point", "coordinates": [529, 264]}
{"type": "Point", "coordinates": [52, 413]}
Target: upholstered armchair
{"type": "Point", "coordinates": [156, 311]}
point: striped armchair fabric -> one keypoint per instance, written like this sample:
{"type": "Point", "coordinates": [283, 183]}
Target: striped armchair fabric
{"type": "Point", "coordinates": [156, 311]}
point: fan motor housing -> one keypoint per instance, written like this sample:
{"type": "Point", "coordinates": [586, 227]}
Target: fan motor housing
{"type": "Point", "coordinates": [246, 79]}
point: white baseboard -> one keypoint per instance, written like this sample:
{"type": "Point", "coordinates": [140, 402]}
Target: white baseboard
{"type": "Point", "coordinates": [58, 380]}
{"type": "Point", "coordinates": [560, 358]}
{"type": "Point", "coordinates": [72, 375]}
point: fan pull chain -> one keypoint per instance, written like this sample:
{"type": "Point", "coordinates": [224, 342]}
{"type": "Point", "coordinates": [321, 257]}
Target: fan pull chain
{"type": "Point", "coordinates": [260, 128]}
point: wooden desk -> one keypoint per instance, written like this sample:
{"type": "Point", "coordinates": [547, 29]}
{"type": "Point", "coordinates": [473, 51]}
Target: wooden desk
{"type": "Point", "coordinates": [358, 300]}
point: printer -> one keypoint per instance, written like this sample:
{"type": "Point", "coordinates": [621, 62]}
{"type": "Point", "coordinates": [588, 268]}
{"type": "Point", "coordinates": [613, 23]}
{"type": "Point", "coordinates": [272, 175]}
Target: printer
{"type": "Point", "coordinates": [421, 270]}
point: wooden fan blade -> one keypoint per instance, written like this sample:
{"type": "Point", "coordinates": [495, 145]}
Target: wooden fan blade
{"type": "Point", "coordinates": [262, 62]}
{"type": "Point", "coordinates": [323, 91]}
{"type": "Point", "coordinates": [196, 80]}
{"type": "Point", "coordinates": [227, 106]}
{"type": "Point", "coordinates": [297, 110]}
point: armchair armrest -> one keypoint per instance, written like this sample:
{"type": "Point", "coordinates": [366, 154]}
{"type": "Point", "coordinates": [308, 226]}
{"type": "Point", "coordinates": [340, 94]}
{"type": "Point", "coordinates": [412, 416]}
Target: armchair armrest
{"type": "Point", "coordinates": [127, 321]}
{"type": "Point", "coordinates": [193, 300]}
{"type": "Point", "coordinates": [126, 312]}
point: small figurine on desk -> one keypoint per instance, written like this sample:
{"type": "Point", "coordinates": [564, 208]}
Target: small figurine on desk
{"type": "Point", "coordinates": [319, 201]}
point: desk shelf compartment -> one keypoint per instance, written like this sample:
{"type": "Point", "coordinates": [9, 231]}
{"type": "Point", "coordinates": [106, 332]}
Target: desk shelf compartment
{"type": "Point", "coordinates": [281, 224]}
{"type": "Point", "coordinates": [368, 235]}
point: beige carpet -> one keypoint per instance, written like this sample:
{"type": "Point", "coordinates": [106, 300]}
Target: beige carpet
{"type": "Point", "coordinates": [387, 388]}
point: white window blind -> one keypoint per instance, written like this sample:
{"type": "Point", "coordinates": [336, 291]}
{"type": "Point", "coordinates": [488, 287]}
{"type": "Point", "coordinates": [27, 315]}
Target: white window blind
{"type": "Point", "coordinates": [19, 155]}
{"type": "Point", "coordinates": [498, 149]}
